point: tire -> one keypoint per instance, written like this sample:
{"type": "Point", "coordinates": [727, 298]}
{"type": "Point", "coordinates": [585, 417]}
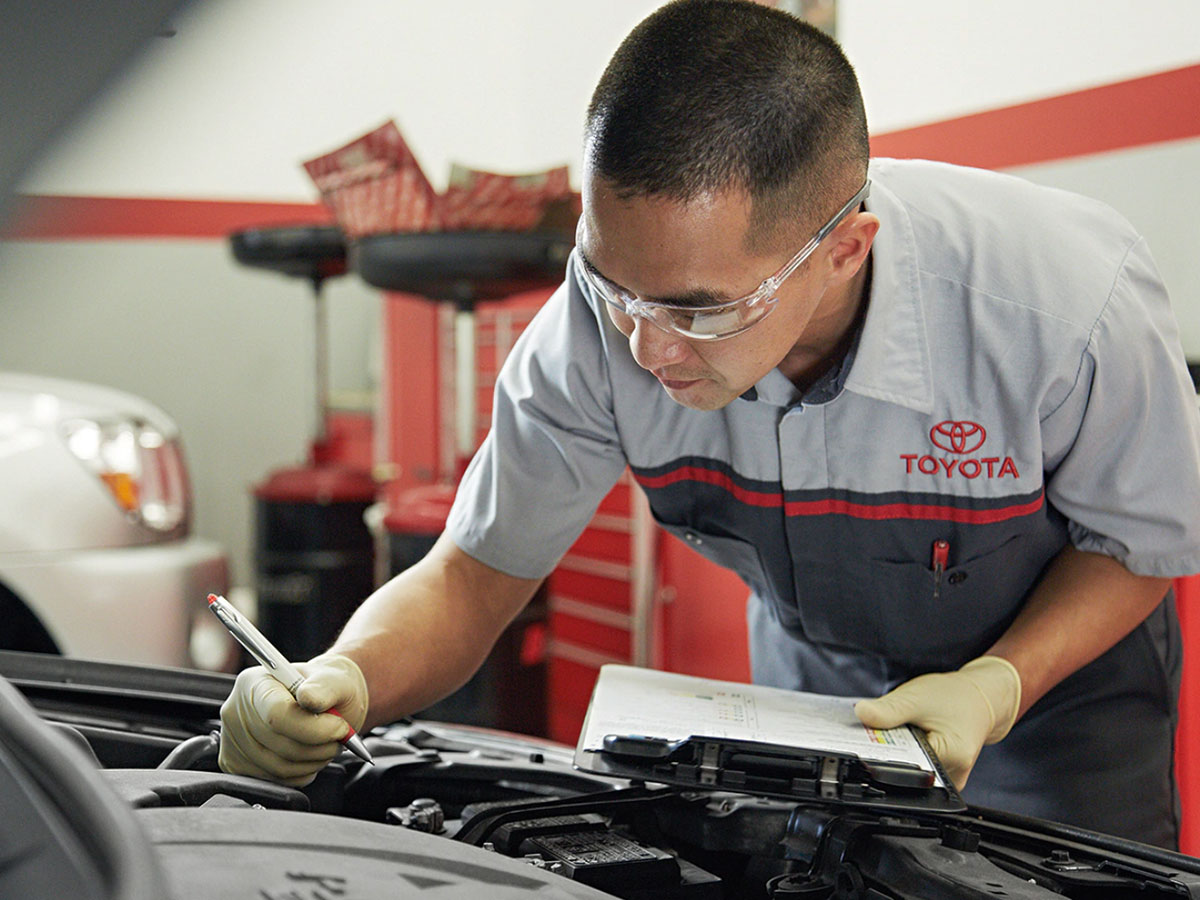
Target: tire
{"type": "Point", "coordinates": [20, 628]}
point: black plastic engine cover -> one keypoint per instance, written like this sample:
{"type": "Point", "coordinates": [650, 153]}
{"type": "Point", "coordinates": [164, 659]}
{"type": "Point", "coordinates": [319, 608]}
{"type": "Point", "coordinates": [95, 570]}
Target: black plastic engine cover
{"type": "Point", "coordinates": [278, 855]}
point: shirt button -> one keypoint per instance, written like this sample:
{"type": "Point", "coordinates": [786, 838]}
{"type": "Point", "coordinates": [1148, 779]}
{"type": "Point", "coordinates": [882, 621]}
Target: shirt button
{"type": "Point", "coordinates": [957, 577]}
{"type": "Point", "coordinates": [692, 538]}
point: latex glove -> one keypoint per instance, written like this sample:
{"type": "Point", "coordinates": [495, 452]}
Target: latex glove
{"type": "Point", "coordinates": [267, 733]}
{"type": "Point", "coordinates": [961, 711]}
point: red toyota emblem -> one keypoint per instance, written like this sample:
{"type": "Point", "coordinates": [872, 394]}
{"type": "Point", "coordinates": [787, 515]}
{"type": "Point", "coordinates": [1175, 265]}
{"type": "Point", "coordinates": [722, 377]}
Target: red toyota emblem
{"type": "Point", "coordinates": [958, 437]}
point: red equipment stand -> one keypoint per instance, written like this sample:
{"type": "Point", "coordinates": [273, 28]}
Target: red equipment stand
{"type": "Point", "coordinates": [1187, 737]}
{"type": "Point", "coordinates": [463, 268]}
{"type": "Point", "coordinates": [313, 549]}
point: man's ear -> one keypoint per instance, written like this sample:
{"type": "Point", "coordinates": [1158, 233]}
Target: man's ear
{"type": "Point", "coordinates": [853, 243]}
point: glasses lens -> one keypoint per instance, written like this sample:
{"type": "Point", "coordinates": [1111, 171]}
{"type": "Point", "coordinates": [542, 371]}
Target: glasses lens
{"type": "Point", "coordinates": [722, 321]}
{"type": "Point", "coordinates": [704, 324]}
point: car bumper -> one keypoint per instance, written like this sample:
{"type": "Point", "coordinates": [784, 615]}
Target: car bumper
{"type": "Point", "coordinates": [142, 604]}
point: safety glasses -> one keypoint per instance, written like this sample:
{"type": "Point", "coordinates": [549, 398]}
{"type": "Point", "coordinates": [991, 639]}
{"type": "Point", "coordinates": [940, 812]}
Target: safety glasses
{"type": "Point", "coordinates": [719, 320]}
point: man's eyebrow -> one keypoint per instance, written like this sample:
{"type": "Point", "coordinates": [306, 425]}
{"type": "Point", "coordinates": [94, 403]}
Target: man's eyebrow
{"type": "Point", "coordinates": [696, 297]}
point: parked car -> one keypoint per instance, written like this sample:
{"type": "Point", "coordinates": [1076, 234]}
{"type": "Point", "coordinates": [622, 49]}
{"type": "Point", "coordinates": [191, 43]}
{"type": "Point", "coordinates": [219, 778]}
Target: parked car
{"type": "Point", "coordinates": [97, 558]}
{"type": "Point", "coordinates": [111, 790]}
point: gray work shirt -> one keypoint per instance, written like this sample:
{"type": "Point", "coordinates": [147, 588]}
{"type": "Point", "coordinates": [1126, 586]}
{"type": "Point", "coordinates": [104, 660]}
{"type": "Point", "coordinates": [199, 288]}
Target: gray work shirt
{"type": "Point", "coordinates": [1018, 384]}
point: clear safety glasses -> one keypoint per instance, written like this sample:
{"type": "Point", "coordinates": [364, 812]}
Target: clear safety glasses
{"type": "Point", "coordinates": [718, 320]}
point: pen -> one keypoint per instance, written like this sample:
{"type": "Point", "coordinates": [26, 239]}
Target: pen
{"type": "Point", "coordinates": [274, 662]}
{"type": "Point", "coordinates": [941, 556]}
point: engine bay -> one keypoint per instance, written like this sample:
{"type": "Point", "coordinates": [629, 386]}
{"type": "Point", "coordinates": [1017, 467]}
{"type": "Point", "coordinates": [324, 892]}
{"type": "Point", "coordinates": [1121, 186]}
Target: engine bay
{"type": "Point", "coordinates": [454, 811]}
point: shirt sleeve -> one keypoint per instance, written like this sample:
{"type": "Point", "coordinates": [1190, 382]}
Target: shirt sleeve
{"type": "Point", "coordinates": [552, 452]}
{"type": "Point", "coordinates": [1130, 481]}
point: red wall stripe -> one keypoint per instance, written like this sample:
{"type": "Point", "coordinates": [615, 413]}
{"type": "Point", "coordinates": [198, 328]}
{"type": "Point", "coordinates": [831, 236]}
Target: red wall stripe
{"type": "Point", "coordinates": [1149, 110]}
{"type": "Point", "coordinates": [1156, 108]}
{"type": "Point", "coordinates": [38, 217]}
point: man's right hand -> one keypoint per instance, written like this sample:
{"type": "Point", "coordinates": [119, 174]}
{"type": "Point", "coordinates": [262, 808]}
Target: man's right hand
{"type": "Point", "coordinates": [266, 733]}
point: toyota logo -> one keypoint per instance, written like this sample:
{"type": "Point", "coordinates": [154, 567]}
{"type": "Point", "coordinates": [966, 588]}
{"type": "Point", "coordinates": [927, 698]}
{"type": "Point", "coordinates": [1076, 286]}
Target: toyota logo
{"type": "Point", "coordinates": [958, 437]}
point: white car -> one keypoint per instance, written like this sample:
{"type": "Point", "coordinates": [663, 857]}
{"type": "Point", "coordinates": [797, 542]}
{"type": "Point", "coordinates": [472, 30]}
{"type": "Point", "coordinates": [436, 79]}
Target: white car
{"type": "Point", "coordinates": [96, 555]}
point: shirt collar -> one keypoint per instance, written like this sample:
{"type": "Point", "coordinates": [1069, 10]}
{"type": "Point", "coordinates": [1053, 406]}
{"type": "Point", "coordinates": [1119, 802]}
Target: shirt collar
{"type": "Point", "coordinates": [890, 360]}
{"type": "Point", "coordinates": [893, 361]}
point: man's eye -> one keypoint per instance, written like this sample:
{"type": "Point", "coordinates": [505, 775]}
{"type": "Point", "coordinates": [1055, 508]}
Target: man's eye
{"type": "Point", "coordinates": [684, 318]}
{"type": "Point", "coordinates": [721, 313]}
{"type": "Point", "coordinates": [715, 321]}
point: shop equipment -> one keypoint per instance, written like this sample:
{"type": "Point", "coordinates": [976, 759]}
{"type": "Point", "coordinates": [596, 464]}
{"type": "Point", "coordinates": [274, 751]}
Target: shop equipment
{"type": "Point", "coordinates": [313, 549]}
{"type": "Point", "coordinates": [464, 268]}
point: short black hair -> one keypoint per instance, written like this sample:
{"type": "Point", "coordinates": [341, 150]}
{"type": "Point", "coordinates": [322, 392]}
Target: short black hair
{"type": "Point", "coordinates": [708, 95]}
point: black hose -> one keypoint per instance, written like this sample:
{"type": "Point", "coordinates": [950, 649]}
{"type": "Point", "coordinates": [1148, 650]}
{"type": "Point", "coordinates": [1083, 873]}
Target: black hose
{"type": "Point", "coordinates": [187, 753]}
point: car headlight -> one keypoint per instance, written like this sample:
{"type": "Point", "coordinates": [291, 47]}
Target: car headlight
{"type": "Point", "coordinates": [142, 469]}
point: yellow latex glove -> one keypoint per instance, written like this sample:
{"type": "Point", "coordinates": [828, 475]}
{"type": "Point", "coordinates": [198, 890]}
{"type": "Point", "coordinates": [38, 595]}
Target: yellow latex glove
{"type": "Point", "coordinates": [267, 733]}
{"type": "Point", "coordinates": [961, 711]}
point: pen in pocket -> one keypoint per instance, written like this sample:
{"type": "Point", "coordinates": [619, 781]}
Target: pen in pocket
{"type": "Point", "coordinates": [941, 555]}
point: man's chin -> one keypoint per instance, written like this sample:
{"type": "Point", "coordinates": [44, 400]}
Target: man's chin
{"type": "Point", "coordinates": [701, 395]}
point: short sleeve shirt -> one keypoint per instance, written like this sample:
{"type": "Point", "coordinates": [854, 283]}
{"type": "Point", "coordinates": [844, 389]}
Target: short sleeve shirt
{"type": "Point", "coordinates": [1017, 385]}
{"type": "Point", "coordinates": [1018, 382]}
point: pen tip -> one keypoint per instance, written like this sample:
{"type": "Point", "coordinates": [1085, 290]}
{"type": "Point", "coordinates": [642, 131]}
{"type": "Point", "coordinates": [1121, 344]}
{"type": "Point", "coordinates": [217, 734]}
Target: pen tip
{"type": "Point", "coordinates": [212, 598]}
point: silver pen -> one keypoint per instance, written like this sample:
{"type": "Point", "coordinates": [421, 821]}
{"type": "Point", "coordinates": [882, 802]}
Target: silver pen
{"type": "Point", "coordinates": [275, 662]}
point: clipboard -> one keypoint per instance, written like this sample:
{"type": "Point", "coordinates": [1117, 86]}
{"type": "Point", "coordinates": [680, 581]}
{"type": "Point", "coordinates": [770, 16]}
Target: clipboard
{"type": "Point", "coordinates": [725, 736]}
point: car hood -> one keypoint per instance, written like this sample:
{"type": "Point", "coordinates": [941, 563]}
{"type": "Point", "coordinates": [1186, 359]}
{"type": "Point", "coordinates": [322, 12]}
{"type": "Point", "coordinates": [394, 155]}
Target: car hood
{"type": "Point", "coordinates": [47, 400]}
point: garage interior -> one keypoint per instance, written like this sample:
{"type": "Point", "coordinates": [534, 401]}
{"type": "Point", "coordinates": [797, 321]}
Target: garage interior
{"type": "Point", "coordinates": [352, 403]}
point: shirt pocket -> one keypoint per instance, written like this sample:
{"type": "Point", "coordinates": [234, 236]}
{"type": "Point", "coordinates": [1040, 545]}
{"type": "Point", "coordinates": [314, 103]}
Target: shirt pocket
{"type": "Point", "coordinates": [741, 557]}
{"type": "Point", "coordinates": [900, 610]}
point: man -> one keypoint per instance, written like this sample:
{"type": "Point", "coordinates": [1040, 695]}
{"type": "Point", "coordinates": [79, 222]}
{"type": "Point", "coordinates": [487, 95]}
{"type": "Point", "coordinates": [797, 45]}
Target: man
{"type": "Point", "coordinates": [950, 443]}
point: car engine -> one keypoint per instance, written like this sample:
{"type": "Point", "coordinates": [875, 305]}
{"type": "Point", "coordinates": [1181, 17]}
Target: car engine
{"type": "Point", "coordinates": [455, 811]}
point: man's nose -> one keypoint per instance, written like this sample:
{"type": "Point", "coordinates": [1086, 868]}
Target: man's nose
{"type": "Point", "coordinates": [654, 347]}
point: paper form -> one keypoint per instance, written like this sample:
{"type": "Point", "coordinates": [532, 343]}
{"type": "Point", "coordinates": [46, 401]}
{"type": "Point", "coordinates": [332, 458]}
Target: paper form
{"type": "Point", "coordinates": [633, 701]}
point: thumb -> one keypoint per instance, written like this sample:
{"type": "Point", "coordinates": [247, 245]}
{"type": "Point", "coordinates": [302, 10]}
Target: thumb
{"type": "Point", "coordinates": [889, 711]}
{"type": "Point", "coordinates": [333, 680]}
{"type": "Point", "coordinates": [316, 695]}
{"type": "Point", "coordinates": [324, 686]}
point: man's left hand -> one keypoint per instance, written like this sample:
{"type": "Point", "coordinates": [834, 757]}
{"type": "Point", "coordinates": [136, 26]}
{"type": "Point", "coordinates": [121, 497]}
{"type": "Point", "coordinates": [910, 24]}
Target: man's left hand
{"type": "Point", "coordinates": [961, 711]}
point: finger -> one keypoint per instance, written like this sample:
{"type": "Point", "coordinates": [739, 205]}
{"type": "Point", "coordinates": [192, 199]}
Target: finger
{"type": "Point", "coordinates": [256, 737]}
{"type": "Point", "coordinates": [287, 747]}
{"type": "Point", "coordinates": [889, 711]}
{"type": "Point", "coordinates": [260, 763]}
{"type": "Point", "coordinates": [279, 712]}
{"type": "Point", "coordinates": [255, 696]}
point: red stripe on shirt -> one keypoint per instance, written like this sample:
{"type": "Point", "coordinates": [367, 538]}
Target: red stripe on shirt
{"type": "Point", "coordinates": [833, 506]}
{"type": "Point", "coordinates": [912, 511]}
{"type": "Point", "coordinates": [708, 476]}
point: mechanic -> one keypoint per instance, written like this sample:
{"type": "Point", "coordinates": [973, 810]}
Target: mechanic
{"type": "Point", "coordinates": [951, 444]}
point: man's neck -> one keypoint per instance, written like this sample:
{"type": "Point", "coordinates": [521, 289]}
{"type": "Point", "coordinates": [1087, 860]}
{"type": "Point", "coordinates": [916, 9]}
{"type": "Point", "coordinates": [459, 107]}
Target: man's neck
{"type": "Point", "coordinates": [816, 354]}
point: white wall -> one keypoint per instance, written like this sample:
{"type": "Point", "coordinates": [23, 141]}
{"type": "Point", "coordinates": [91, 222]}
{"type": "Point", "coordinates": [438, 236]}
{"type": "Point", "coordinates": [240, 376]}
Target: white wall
{"type": "Point", "coordinates": [925, 60]}
{"type": "Point", "coordinates": [248, 89]}
{"type": "Point", "coordinates": [1156, 187]}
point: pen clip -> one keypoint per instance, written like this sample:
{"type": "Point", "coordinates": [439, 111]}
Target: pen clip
{"type": "Point", "coordinates": [940, 557]}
